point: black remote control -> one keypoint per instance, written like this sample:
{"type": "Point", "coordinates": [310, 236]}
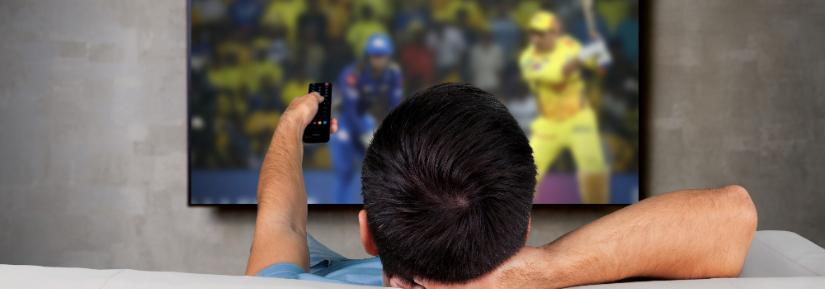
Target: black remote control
{"type": "Point", "coordinates": [318, 130]}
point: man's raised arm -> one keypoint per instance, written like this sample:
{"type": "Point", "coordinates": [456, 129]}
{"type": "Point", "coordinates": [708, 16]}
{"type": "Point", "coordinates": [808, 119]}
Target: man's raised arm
{"type": "Point", "coordinates": [280, 227]}
{"type": "Point", "coordinates": [680, 235]}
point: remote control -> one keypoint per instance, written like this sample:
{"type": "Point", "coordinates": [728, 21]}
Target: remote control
{"type": "Point", "coordinates": [318, 130]}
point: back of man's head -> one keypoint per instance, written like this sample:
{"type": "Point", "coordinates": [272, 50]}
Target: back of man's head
{"type": "Point", "coordinates": [448, 185]}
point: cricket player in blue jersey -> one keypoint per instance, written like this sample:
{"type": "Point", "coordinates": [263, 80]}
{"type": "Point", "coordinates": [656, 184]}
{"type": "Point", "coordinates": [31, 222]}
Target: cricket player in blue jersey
{"type": "Point", "coordinates": [368, 89]}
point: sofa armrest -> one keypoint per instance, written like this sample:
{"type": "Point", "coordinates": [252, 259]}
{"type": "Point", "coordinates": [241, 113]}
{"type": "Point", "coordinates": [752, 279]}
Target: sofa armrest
{"type": "Point", "coordinates": [783, 254]}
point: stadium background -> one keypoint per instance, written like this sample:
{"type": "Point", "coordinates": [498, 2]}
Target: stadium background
{"type": "Point", "coordinates": [249, 58]}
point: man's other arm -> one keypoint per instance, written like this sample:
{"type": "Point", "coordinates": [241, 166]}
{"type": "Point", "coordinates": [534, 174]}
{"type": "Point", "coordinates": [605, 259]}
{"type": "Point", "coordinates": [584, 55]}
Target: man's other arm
{"type": "Point", "coordinates": [681, 235]}
{"type": "Point", "coordinates": [280, 227]}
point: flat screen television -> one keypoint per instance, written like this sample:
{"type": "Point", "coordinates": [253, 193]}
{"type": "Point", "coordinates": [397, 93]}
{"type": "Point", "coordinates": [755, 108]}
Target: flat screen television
{"type": "Point", "coordinates": [247, 59]}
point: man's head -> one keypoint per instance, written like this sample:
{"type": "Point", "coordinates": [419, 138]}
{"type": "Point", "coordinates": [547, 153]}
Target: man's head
{"type": "Point", "coordinates": [448, 185]}
{"type": "Point", "coordinates": [544, 29]}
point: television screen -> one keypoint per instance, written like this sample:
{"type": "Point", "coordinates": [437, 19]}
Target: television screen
{"type": "Point", "coordinates": [568, 70]}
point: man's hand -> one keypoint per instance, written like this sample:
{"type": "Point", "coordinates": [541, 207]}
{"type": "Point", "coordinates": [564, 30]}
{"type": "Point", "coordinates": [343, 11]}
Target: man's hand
{"type": "Point", "coordinates": [286, 148]}
{"type": "Point", "coordinates": [530, 268]}
{"type": "Point", "coordinates": [280, 227]}
{"type": "Point", "coordinates": [302, 109]}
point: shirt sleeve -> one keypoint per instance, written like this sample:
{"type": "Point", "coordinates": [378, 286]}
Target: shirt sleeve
{"type": "Point", "coordinates": [281, 270]}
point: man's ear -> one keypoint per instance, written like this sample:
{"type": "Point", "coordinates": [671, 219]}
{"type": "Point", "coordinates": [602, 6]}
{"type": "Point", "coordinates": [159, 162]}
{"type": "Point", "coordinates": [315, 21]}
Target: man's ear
{"type": "Point", "coordinates": [366, 234]}
{"type": "Point", "coordinates": [529, 227]}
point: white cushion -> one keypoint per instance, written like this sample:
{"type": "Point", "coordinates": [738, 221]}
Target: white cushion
{"type": "Point", "coordinates": [37, 277]}
{"type": "Point", "coordinates": [773, 258]}
{"type": "Point", "coordinates": [783, 254]}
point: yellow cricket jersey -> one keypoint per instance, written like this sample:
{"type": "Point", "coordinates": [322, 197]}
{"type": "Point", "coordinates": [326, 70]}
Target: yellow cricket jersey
{"type": "Point", "coordinates": [558, 97]}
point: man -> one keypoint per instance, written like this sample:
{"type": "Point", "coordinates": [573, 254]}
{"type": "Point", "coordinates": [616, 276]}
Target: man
{"type": "Point", "coordinates": [551, 65]}
{"type": "Point", "coordinates": [369, 89]}
{"type": "Point", "coordinates": [448, 182]}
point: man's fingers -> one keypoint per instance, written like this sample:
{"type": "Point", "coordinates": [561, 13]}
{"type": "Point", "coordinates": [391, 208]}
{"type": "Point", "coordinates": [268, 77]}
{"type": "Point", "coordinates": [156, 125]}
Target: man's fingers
{"type": "Point", "coordinates": [418, 283]}
{"type": "Point", "coordinates": [310, 99]}
{"type": "Point", "coordinates": [401, 283]}
{"type": "Point", "coordinates": [318, 97]}
{"type": "Point", "coordinates": [313, 99]}
{"type": "Point", "coordinates": [333, 126]}
{"type": "Point", "coordinates": [395, 282]}
{"type": "Point", "coordinates": [304, 107]}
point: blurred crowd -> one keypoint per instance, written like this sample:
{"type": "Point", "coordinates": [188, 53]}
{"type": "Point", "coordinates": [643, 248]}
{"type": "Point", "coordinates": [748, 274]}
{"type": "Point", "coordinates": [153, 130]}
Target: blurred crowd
{"type": "Point", "coordinates": [250, 58]}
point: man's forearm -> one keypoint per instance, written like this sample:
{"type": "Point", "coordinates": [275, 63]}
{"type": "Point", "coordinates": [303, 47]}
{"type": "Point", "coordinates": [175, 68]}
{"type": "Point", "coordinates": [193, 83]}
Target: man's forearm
{"type": "Point", "coordinates": [688, 234]}
{"type": "Point", "coordinates": [281, 190]}
{"type": "Point", "coordinates": [280, 229]}
{"type": "Point", "coordinates": [282, 205]}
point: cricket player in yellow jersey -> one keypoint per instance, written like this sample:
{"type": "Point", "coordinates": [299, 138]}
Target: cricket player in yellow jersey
{"type": "Point", "coordinates": [551, 65]}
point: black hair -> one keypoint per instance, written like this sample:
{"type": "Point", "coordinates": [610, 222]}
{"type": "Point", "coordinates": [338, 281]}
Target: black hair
{"type": "Point", "coordinates": [448, 184]}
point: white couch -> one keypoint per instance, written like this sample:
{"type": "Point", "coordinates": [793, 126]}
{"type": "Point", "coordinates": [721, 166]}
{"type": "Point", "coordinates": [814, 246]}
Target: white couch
{"type": "Point", "coordinates": [777, 259]}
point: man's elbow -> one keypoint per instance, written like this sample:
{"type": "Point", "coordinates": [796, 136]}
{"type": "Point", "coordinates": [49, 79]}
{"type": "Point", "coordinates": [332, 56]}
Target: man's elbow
{"type": "Point", "coordinates": [743, 220]}
{"type": "Point", "coordinates": [742, 207]}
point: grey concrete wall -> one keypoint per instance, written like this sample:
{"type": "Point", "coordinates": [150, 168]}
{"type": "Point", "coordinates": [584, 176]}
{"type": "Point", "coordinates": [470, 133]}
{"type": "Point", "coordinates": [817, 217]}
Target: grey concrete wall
{"type": "Point", "coordinates": [739, 97]}
{"type": "Point", "coordinates": [93, 148]}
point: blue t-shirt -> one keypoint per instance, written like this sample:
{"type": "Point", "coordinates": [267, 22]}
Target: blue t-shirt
{"type": "Point", "coordinates": [328, 266]}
